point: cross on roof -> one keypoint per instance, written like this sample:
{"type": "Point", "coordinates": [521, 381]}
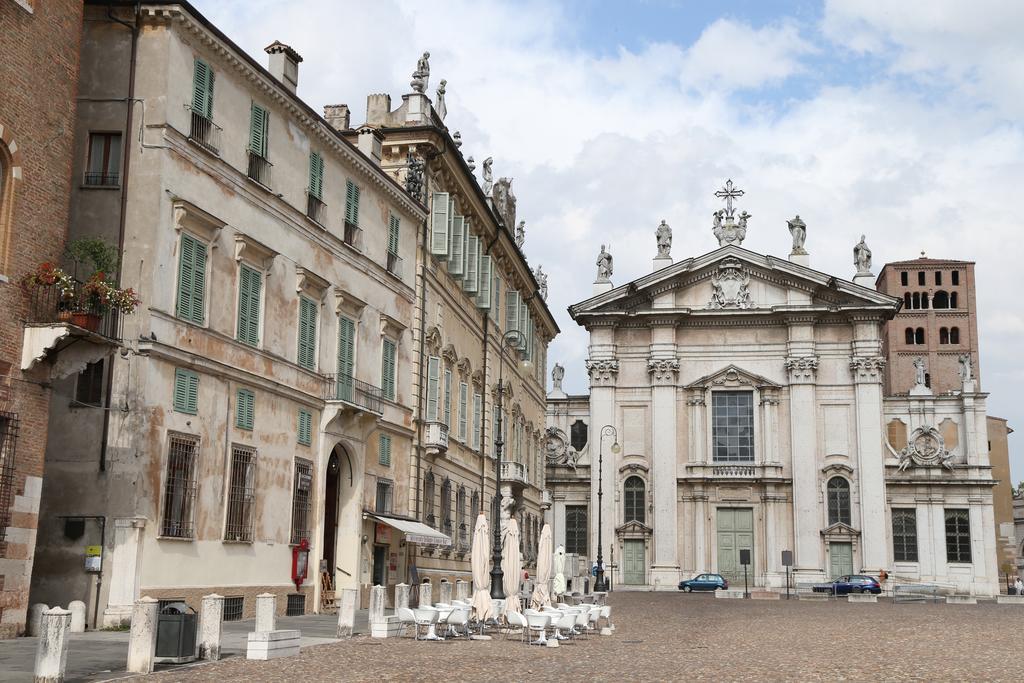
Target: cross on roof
{"type": "Point", "coordinates": [728, 193]}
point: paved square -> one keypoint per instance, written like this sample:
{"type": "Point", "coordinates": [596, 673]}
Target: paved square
{"type": "Point", "coordinates": [670, 636]}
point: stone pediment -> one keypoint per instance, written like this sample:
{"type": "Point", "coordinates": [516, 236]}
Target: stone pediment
{"type": "Point", "coordinates": [732, 280]}
{"type": "Point", "coordinates": [732, 376]}
{"type": "Point", "coordinates": [840, 532]}
{"type": "Point", "coordinates": [633, 528]}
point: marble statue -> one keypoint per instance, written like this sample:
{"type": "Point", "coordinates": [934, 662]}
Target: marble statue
{"type": "Point", "coordinates": [441, 108]}
{"type": "Point", "coordinates": [966, 372]}
{"type": "Point", "coordinates": [414, 176]}
{"type": "Point", "coordinates": [919, 371]}
{"type": "Point", "coordinates": [542, 283]}
{"type": "Point", "coordinates": [488, 176]}
{"type": "Point", "coordinates": [520, 234]}
{"type": "Point", "coordinates": [421, 75]}
{"type": "Point", "coordinates": [471, 162]}
{"type": "Point", "coordinates": [798, 229]}
{"type": "Point", "coordinates": [457, 138]}
{"type": "Point", "coordinates": [664, 237]}
{"type": "Point", "coordinates": [604, 266]}
{"type": "Point", "coordinates": [862, 257]}
{"type": "Point", "coordinates": [557, 375]}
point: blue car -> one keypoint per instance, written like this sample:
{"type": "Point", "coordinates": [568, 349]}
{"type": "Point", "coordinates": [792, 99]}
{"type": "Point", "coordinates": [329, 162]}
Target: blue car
{"type": "Point", "coordinates": [854, 583]}
{"type": "Point", "coordinates": [704, 582]}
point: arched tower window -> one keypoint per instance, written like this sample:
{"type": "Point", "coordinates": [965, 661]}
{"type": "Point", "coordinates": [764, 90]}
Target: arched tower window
{"type": "Point", "coordinates": [919, 336]}
{"type": "Point", "coordinates": [941, 299]}
{"type": "Point", "coordinates": [952, 300]}
{"type": "Point", "coordinates": [6, 201]}
{"type": "Point", "coordinates": [944, 335]}
{"type": "Point", "coordinates": [633, 495]}
{"type": "Point", "coordinates": [954, 335]}
{"type": "Point", "coordinates": [909, 335]}
{"type": "Point", "coordinates": [916, 300]}
{"type": "Point", "coordinates": [906, 300]}
{"type": "Point", "coordinates": [924, 300]}
{"type": "Point", "coordinates": [838, 501]}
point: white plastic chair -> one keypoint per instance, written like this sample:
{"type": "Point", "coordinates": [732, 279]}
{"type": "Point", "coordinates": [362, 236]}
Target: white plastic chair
{"type": "Point", "coordinates": [537, 623]}
{"type": "Point", "coordinates": [458, 621]}
{"type": "Point", "coordinates": [582, 622]}
{"type": "Point", "coordinates": [516, 620]}
{"type": "Point", "coordinates": [606, 614]}
{"type": "Point", "coordinates": [426, 618]}
{"type": "Point", "coordinates": [406, 617]}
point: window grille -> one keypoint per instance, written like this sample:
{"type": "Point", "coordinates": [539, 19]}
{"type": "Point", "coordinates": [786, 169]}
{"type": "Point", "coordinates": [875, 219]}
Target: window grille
{"type": "Point", "coordinates": [904, 535]}
{"type": "Point", "coordinates": [958, 536]}
{"type": "Point", "coordinates": [474, 508]}
{"type": "Point", "coordinates": [732, 424]}
{"type": "Point", "coordinates": [296, 605]}
{"type": "Point", "coordinates": [385, 489]}
{"type": "Point", "coordinates": [233, 607]}
{"type": "Point", "coordinates": [633, 495]}
{"type": "Point", "coordinates": [241, 494]}
{"type": "Point", "coordinates": [576, 529]}
{"type": "Point", "coordinates": [428, 500]}
{"type": "Point", "coordinates": [838, 501]}
{"type": "Point", "coordinates": [446, 505]}
{"type": "Point", "coordinates": [8, 441]}
{"type": "Point", "coordinates": [302, 486]}
{"type": "Point", "coordinates": [180, 487]}
{"type": "Point", "coordinates": [460, 514]}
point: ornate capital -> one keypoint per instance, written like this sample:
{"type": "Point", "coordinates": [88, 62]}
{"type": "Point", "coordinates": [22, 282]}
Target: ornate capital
{"type": "Point", "coordinates": [695, 401]}
{"type": "Point", "coordinates": [603, 371]}
{"type": "Point", "coordinates": [663, 370]}
{"type": "Point", "coordinates": [867, 368]}
{"type": "Point", "coordinates": [802, 368]}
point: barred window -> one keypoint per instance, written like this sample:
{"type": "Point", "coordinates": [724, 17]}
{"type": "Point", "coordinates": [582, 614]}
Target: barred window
{"type": "Point", "coordinates": [8, 440]}
{"type": "Point", "coordinates": [428, 500]}
{"type": "Point", "coordinates": [302, 486]}
{"type": "Point", "coordinates": [180, 487]}
{"type": "Point", "coordinates": [958, 536]}
{"type": "Point", "coordinates": [241, 494]}
{"type": "Point", "coordinates": [446, 506]}
{"type": "Point", "coordinates": [576, 529]}
{"type": "Point", "coordinates": [474, 508]}
{"type": "Point", "coordinates": [233, 607]}
{"type": "Point", "coordinates": [633, 496]}
{"type": "Point", "coordinates": [383, 503]}
{"type": "Point", "coordinates": [838, 501]}
{"type": "Point", "coordinates": [904, 535]}
{"type": "Point", "coordinates": [732, 426]}
{"type": "Point", "coordinates": [460, 512]}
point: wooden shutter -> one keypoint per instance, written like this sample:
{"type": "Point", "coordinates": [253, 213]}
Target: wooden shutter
{"type": "Point", "coordinates": [250, 282]}
{"type": "Point", "coordinates": [307, 333]}
{"type": "Point", "coordinates": [463, 406]}
{"type": "Point", "coordinates": [471, 281]}
{"type": "Point", "coordinates": [202, 89]}
{"type": "Point", "coordinates": [477, 407]}
{"type": "Point", "coordinates": [393, 232]}
{"type": "Point", "coordinates": [433, 382]}
{"type": "Point", "coordinates": [244, 409]}
{"type": "Point", "coordinates": [346, 347]}
{"type": "Point", "coordinates": [456, 260]}
{"type": "Point", "coordinates": [351, 203]}
{"type": "Point", "coordinates": [316, 175]}
{"type": "Point", "coordinates": [448, 397]}
{"type": "Point", "coordinates": [384, 450]}
{"type": "Point", "coordinates": [191, 279]}
{"type": "Point", "coordinates": [439, 224]}
{"type": "Point", "coordinates": [258, 126]}
{"type": "Point", "coordinates": [387, 372]}
{"type": "Point", "coordinates": [483, 292]}
{"type": "Point", "coordinates": [305, 435]}
{"type": "Point", "coordinates": [186, 391]}
{"type": "Point", "coordinates": [511, 310]}
{"type": "Point", "coordinates": [524, 325]}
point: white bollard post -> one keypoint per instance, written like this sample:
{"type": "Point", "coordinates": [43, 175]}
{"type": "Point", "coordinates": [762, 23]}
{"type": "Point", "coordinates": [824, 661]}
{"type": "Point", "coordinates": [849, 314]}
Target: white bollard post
{"type": "Point", "coordinates": [52, 651]}
{"type": "Point", "coordinates": [35, 615]}
{"type": "Point", "coordinates": [266, 612]}
{"type": "Point", "coordinates": [347, 598]}
{"type": "Point", "coordinates": [77, 609]}
{"type": "Point", "coordinates": [444, 593]}
{"type": "Point", "coordinates": [426, 599]}
{"type": "Point", "coordinates": [211, 626]}
{"type": "Point", "coordinates": [461, 590]}
{"type": "Point", "coordinates": [401, 596]}
{"type": "Point", "coordinates": [142, 640]}
{"type": "Point", "coordinates": [378, 598]}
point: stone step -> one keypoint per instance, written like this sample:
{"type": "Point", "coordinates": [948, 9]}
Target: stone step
{"type": "Point", "coordinates": [729, 594]}
{"type": "Point", "coordinates": [862, 597]}
{"type": "Point", "coordinates": [263, 645]}
{"type": "Point", "coordinates": [961, 600]}
{"type": "Point", "coordinates": [1010, 599]}
{"type": "Point", "coordinates": [764, 595]}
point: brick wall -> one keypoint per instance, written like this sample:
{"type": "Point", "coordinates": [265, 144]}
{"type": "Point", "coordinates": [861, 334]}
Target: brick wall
{"type": "Point", "coordinates": [38, 79]}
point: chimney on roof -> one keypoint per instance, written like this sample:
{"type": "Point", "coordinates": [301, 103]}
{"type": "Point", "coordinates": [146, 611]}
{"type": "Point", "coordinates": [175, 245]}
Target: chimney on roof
{"type": "Point", "coordinates": [284, 64]}
{"type": "Point", "coordinates": [371, 142]}
{"type": "Point", "coordinates": [338, 116]}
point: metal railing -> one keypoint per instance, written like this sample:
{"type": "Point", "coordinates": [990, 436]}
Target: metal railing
{"type": "Point", "coordinates": [101, 179]}
{"type": "Point", "coordinates": [52, 305]}
{"type": "Point", "coordinates": [315, 208]}
{"type": "Point", "coordinates": [259, 169]}
{"type": "Point", "coordinates": [351, 390]}
{"type": "Point", "coordinates": [203, 131]}
{"type": "Point", "coordinates": [733, 471]}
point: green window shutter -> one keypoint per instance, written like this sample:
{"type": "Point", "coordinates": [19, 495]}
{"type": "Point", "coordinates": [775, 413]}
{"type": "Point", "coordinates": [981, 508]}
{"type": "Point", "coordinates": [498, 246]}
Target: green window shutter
{"type": "Point", "coordinates": [483, 292]}
{"type": "Point", "coordinates": [202, 89]}
{"type": "Point", "coordinates": [250, 283]}
{"type": "Point", "coordinates": [439, 223]}
{"type": "Point", "coordinates": [463, 405]}
{"type": "Point", "coordinates": [245, 404]}
{"type": "Point", "coordinates": [433, 379]}
{"type": "Point", "coordinates": [191, 279]}
{"type": "Point", "coordinates": [524, 325]}
{"type": "Point", "coordinates": [259, 122]}
{"type": "Point", "coordinates": [305, 435]}
{"type": "Point", "coordinates": [477, 407]}
{"type": "Point", "coordinates": [384, 450]}
{"type": "Point", "coordinates": [497, 298]}
{"type": "Point", "coordinates": [448, 397]}
{"type": "Point", "coordinates": [186, 391]}
{"type": "Point", "coordinates": [351, 203]}
{"type": "Point", "coordinates": [307, 333]}
{"type": "Point", "coordinates": [456, 260]}
{"type": "Point", "coordinates": [387, 372]}
{"type": "Point", "coordinates": [393, 232]}
{"type": "Point", "coordinates": [471, 282]}
{"type": "Point", "coordinates": [511, 310]}
{"type": "Point", "coordinates": [316, 175]}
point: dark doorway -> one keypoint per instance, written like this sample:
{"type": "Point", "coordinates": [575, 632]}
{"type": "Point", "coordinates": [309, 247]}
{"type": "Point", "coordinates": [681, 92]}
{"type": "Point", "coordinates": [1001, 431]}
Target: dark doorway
{"type": "Point", "coordinates": [380, 565]}
{"type": "Point", "coordinates": [578, 435]}
{"type": "Point", "coordinates": [331, 510]}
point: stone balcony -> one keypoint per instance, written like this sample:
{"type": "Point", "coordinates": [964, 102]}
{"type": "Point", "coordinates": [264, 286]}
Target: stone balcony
{"type": "Point", "coordinates": [734, 471]}
{"type": "Point", "coordinates": [514, 474]}
{"type": "Point", "coordinates": [545, 499]}
{"type": "Point", "coordinates": [436, 438]}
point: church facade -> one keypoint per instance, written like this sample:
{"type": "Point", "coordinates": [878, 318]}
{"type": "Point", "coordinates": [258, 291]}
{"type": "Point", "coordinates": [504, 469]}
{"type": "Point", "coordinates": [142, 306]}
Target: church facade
{"type": "Point", "coordinates": [736, 403]}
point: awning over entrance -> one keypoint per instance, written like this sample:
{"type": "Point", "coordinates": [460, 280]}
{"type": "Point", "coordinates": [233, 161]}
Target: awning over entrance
{"type": "Point", "coordinates": [415, 532]}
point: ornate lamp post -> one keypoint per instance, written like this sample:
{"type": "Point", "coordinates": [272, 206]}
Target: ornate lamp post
{"type": "Point", "coordinates": [497, 575]}
{"type": "Point", "coordinates": [608, 430]}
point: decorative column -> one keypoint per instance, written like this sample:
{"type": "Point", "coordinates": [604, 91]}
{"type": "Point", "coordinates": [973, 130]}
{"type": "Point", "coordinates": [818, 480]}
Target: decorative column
{"type": "Point", "coordinates": [603, 375]}
{"type": "Point", "coordinates": [665, 564]}
{"type": "Point", "coordinates": [769, 426]}
{"type": "Point", "coordinates": [700, 525]}
{"type": "Point", "coordinates": [804, 446]}
{"type": "Point", "coordinates": [698, 416]}
{"type": "Point", "coordinates": [867, 378]}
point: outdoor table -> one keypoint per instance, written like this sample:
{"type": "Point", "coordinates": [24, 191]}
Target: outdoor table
{"type": "Point", "coordinates": [431, 630]}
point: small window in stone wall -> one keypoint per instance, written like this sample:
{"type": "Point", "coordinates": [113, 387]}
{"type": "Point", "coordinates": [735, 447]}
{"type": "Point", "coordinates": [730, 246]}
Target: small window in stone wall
{"type": "Point", "coordinates": [578, 435]}
{"type": "Point", "coordinates": [233, 607]}
{"type": "Point", "coordinates": [296, 605]}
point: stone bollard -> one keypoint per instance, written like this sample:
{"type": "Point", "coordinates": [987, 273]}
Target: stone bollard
{"type": "Point", "coordinates": [77, 609]}
{"type": "Point", "coordinates": [52, 651]}
{"type": "Point", "coordinates": [462, 590]}
{"type": "Point", "coordinates": [444, 593]}
{"type": "Point", "coordinates": [426, 599]}
{"type": "Point", "coordinates": [401, 596]}
{"type": "Point", "coordinates": [378, 598]}
{"type": "Point", "coordinates": [211, 622]}
{"type": "Point", "coordinates": [347, 598]}
{"type": "Point", "coordinates": [266, 612]}
{"type": "Point", "coordinates": [142, 640]}
{"type": "Point", "coordinates": [35, 615]}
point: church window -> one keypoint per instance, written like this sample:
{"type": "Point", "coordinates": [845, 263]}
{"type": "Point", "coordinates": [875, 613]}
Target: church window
{"type": "Point", "coordinates": [955, 277]}
{"type": "Point", "coordinates": [732, 425]}
{"type": "Point", "coordinates": [838, 501]}
{"type": "Point", "coordinates": [904, 535]}
{"type": "Point", "coordinates": [909, 334]}
{"type": "Point", "coordinates": [944, 335]}
{"type": "Point", "coordinates": [916, 300]}
{"type": "Point", "coordinates": [952, 300]}
{"type": "Point", "coordinates": [924, 300]}
{"type": "Point", "coordinates": [919, 335]}
{"type": "Point", "coordinates": [576, 529]}
{"type": "Point", "coordinates": [954, 335]}
{"type": "Point", "coordinates": [903, 279]}
{"type": "Point", "coordinates": [906, 300]}
{"type": "Point", "coordinates": [920, 277]}
{"type": "Point", "coordinates": [958, 536]}
{"type": "Point", "coordinates": [633, 496]}
{"type": "Point", "coordinates": [578, 435]}
{"type": "Point", "coordinates": [938, 277]}
{"type": "Point", "coordinates": [941, 299]}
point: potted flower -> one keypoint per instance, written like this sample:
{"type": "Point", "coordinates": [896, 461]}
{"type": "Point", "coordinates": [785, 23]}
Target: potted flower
{"type": "Point", "coordinates": [48, 276]}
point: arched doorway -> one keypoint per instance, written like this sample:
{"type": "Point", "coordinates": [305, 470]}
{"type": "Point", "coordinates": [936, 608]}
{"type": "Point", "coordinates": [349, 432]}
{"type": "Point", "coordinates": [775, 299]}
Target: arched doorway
{"type": "Point", "coordinates": [336, 481]}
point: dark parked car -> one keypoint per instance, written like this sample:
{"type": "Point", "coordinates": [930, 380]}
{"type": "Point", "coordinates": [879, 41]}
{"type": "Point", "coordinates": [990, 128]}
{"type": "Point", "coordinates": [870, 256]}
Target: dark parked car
{"type": "Point", "coordinates": [854, 583]}
{"type": "Point", "coordinates": [704, 582]}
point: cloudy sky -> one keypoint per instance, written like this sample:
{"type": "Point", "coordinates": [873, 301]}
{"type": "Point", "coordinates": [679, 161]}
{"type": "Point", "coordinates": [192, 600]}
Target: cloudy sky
{"type": "Point", "coordinates": [898, 120]}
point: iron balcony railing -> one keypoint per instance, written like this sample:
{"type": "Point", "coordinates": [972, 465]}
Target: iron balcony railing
{"type": "Point", "coordinates": [203, 131]}
{"type": "Point", "coordinates": [50, 305]}
{"type": "Point", "coordinates": [351, 390]}
{"type": "Point", "coordinates": [259, 169]}
{"type": "Point", "coordinates": [315, 208]}
{"type": "Point", "coordinates": [101, 179]}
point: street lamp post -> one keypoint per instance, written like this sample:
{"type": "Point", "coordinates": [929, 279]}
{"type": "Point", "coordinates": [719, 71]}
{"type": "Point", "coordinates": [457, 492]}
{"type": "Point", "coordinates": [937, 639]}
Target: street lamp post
{"type": "Point", "coordinates": [601, 584]}
{"type": "Point", "coordinates": [497, 575]}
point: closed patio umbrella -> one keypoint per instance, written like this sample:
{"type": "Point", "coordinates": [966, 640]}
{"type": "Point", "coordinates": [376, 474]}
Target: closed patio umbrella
{"type": "Point", "coordinates": [482, 607]}
{"type": "Point", "coordinates": [512, 566]}
{"type": "Point", "coordinates": [541, 595]}
{"type": "Point", "coordinates": [558, 586]}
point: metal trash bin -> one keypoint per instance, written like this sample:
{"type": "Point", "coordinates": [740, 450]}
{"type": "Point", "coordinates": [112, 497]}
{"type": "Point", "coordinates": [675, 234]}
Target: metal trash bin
{"type": "Point", "coordinates": [176, 629]}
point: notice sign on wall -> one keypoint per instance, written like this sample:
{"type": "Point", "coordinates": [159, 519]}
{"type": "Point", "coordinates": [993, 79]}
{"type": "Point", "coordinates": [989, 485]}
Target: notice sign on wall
{"type": "Point", "coordinates": [93, 558]}
{"type": "Point", "coordinates": [383, 534]}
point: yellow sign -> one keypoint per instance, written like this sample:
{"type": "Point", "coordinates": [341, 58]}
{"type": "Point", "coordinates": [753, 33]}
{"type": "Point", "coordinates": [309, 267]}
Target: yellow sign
{"type": "Point", "coordinates": [93, 550]}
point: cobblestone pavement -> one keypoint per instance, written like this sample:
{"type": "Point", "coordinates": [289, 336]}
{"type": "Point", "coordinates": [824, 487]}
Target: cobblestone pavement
{"type": "Point", "coordinates": [669, 636]}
